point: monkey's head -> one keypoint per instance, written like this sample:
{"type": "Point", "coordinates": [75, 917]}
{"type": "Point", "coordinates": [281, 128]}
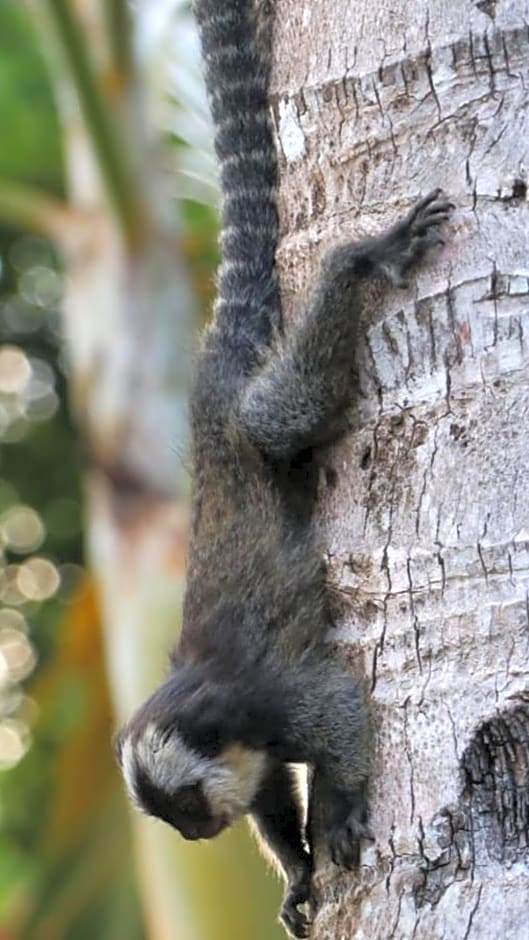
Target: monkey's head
{"type": "Point", "coordinates": [179, 767]}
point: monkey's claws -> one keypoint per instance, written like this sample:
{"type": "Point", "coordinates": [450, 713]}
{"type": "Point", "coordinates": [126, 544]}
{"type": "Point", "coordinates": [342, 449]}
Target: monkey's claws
{"type": "Point", "coordinates": [344, 842]}
{"type": "Point", "coordinates": [409, 240]}
{"type": "Point", "coordinates": [295, 921]}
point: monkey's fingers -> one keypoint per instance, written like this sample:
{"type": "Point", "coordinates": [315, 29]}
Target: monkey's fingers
{"type": "Point", "coordinates": [345, 842]}
{"type": "Point", "coordinates": [345, 851]}
{"type": "Point", "coordinates": [423, 203]}
{"type": "Point", "coordinates": [298, 893]}
{"type": "Point", "coordinates": [429, 211]}
{"type": "Point", "coordinates": [396, 252]}
{"type": "Point", "coordinates": [296, 922]}
{"type": "Point", "coordinates": [438, 215]}
{"type": "Point", "coordinates": [434, 208]}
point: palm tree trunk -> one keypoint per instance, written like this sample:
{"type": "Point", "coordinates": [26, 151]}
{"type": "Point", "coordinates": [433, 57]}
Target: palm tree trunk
{"type": "Point", "coordinates": [426, 501]}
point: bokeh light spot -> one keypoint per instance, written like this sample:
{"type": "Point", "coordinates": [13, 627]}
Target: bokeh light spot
{"type": "Point", "coordinates": [9, 591]}
{"type": "Point", "coordinates": [11, 700]}
{"type": "Point", "coordinates": [12, 620]}
{"type": "Point", "coordinates": [21, 529]}
{"type": "Point", "coordinates": [14, 742]}
{"type": "Point", "coordinates": [42, 378]}
{"type": "Point", "coordinates": [15, 370]}
{"type": "Point", "coordinates": [41, 286]}
{"type": "Point", "coordinates": [37, 579]}
{"type": "Point", "coordinates": [17, 316]}
{"type": "Point", "coordinates": [17, 656]}
{"type": "Point", "coordinates": [42, 409]}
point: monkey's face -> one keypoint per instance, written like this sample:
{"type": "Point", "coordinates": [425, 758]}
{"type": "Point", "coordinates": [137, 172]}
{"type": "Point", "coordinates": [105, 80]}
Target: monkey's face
{"type": "Point", "coordinates": [186, 809]}
{"type": "Point", "coordinates": [197, 794]}
{"type": "Point", "coordinates": [190, 814]}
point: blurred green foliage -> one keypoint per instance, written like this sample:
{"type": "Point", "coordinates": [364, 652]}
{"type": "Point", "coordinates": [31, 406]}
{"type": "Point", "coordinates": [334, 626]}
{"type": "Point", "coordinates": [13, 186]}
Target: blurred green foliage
{"type": "Point", "coordinates": [30, 140]}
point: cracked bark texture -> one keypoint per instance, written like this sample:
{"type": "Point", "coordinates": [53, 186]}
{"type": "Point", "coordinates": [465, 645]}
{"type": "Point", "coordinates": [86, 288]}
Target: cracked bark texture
{"type": "Point", "coordinates": [425, 503]}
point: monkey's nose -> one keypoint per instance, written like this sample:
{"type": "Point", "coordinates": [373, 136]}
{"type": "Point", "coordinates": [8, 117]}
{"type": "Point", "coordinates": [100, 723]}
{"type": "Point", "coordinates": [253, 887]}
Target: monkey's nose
{"type": "Point", "coordinates": [203, 830]}
{"type": "Point", "coordinates": [191, 833]}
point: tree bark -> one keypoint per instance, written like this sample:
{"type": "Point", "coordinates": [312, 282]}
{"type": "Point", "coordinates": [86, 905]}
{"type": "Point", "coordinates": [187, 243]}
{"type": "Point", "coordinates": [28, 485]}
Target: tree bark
{"type": "Point", "coordinates": [425, 503]}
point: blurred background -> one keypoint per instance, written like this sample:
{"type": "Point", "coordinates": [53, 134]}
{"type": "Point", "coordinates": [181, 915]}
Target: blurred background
{"type": "Point", "coordinates": [107, 254]}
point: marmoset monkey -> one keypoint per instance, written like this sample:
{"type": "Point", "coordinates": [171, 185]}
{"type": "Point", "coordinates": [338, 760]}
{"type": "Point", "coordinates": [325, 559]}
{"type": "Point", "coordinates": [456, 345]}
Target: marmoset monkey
{"type": "Point", "coordinates": [253, 686]}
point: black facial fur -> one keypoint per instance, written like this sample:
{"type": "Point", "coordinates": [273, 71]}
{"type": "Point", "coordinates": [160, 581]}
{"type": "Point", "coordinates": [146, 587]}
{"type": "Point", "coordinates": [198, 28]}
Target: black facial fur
{"type": "Point", "coordinates": [186, 809]}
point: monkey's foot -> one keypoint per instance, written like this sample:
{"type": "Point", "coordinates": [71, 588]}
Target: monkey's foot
{"type": "Point", "coordinates": [295, 921]}
{"type": "Point", "coordinates": [345, 837]}
{"type": "Point", "coordinates": [344, 842]}
{"type": "Point", "coordinates": [394, 253]}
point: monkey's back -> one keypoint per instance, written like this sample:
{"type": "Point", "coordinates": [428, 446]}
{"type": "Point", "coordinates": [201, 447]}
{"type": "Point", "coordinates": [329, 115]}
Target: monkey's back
{"type": "Point", "coordinates": [255, 570]}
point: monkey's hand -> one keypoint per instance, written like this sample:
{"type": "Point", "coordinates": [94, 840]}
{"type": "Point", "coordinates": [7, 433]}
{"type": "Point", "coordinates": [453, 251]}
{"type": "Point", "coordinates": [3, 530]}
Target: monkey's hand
{"type": "Point", "coordinates": [298, 892]}
{"type": "Point", "coordinates": [349, 827]}
{"type": "Point", "coordinates": [393, 254]}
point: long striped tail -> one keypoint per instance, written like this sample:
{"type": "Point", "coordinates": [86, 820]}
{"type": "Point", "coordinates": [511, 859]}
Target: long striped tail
{"type": "Point", "coordinates": [235, 45]}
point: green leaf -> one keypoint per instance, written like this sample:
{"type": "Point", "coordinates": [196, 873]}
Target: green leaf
{"type": "Point", "coordinates": [29, 133]}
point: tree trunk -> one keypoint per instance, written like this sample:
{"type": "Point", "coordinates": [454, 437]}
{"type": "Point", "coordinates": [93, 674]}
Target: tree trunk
{"type": "Point", "coordinates": [425, 504]}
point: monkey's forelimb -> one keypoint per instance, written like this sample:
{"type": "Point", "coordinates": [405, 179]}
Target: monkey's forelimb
{"type": "Point", "coordinates": [299, 398]}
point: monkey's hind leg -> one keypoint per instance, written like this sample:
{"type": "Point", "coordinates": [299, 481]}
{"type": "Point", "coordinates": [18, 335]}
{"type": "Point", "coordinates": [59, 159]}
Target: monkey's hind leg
{"type": "Point", "coordinates": [277, 817]}
{"type": "Point", "coordinates": [329, 728]}
{"type": "Point", "coordinates": [299, 397]}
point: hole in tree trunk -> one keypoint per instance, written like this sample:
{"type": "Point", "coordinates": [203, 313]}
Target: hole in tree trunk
{"type": "Point", "coordinates": [496, 788]}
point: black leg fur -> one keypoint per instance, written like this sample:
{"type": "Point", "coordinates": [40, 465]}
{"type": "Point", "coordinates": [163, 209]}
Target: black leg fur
{"type": "Point", "coordinates": [277, 816]}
